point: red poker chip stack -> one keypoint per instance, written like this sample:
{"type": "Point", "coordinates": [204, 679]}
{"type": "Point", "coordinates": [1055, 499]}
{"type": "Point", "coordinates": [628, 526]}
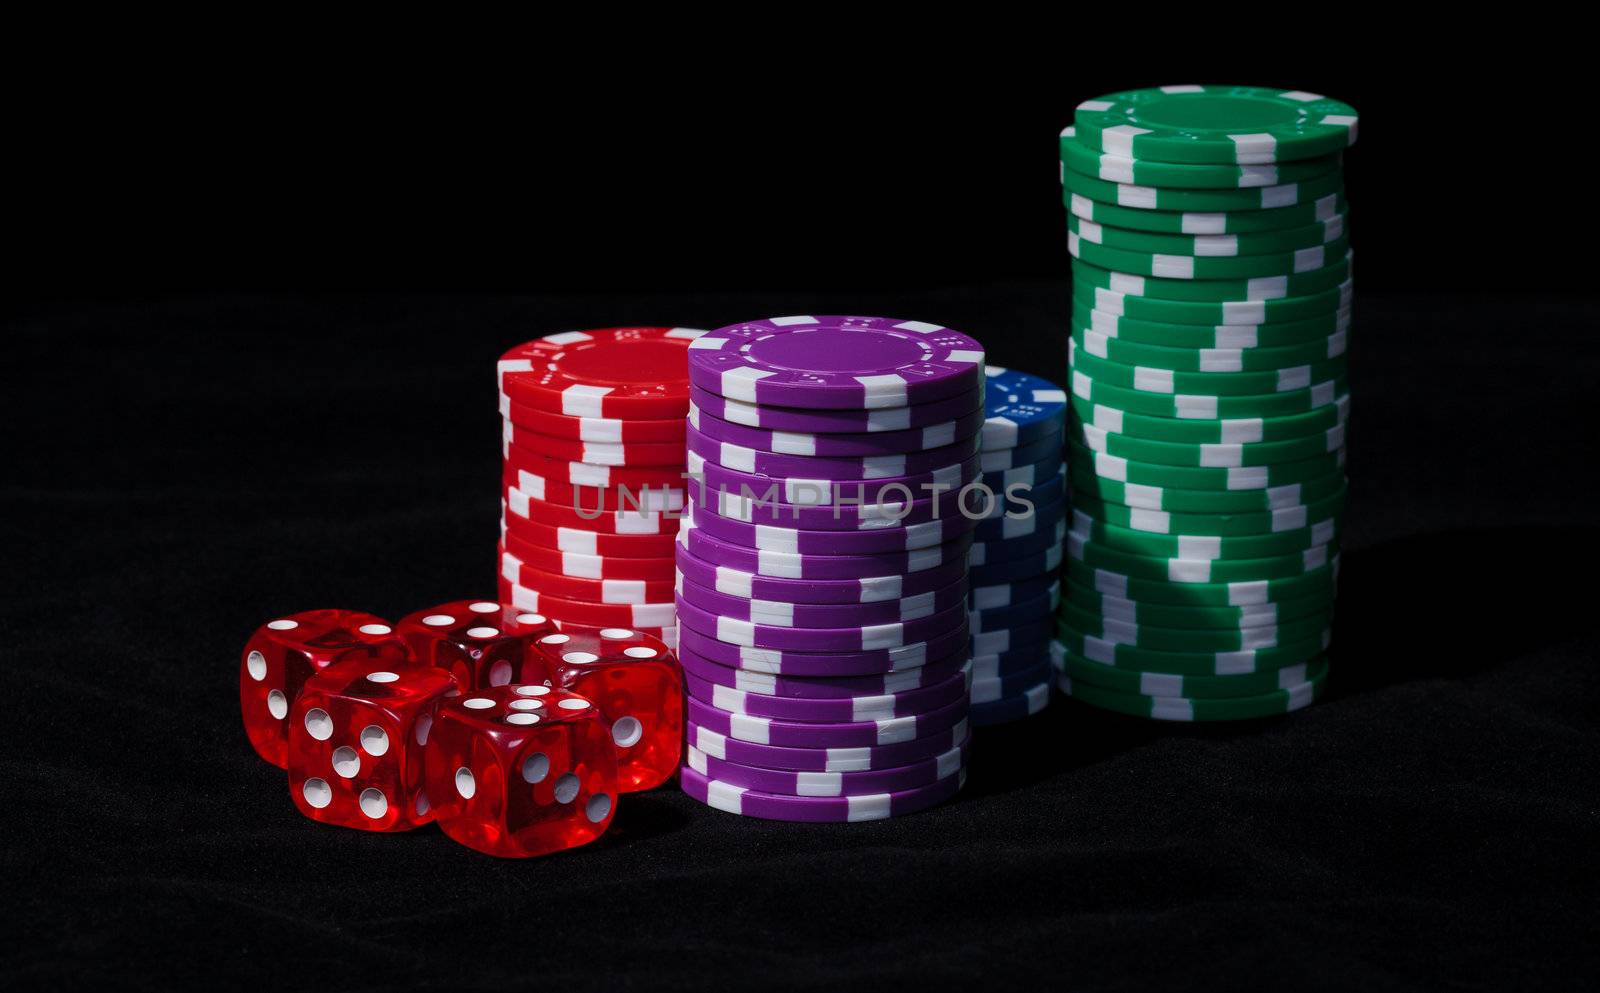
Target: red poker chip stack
{"type": "Point", "coordinates": [592, 485]}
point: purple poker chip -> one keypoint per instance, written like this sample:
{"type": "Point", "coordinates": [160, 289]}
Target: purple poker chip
{"type": "Point", "coordinates": [874, 589]}
{"type": "Point", "coordinates": [992, 688]}
{"type": "Point", "coordinates": [788, 565]}
{"type": "Point", "coordinates": [1026, 612]}
{"type": "Point", "coordinates": [1011, 570]}
{"type": "Point", "coordinates": [860, 663]}
{"type": "Point", "coordinates": [835, 467]}
{"type": "Point", "coordinates": [1036, 633]}
{"type": "Point", "coordinates": [825, 687]}
{"type": "Point", "coordinates": [1001, 459]}
{"type": "Point", "coordinates": [768, 537]}
{"type": "Point", "coordinates": [843, 515]}
{"type": "Point", "coordinates": [812, 420]}
{"type": "Point", "coordinates": [822, 615]}
{"type": "Point", "coordinates": [836, 362]}
{"type": "Point", "coordinates": [1020, 659]}
{"type": "Point", "coordinates": [835, 710]}
{"type": "Point", "coordinates": [847, 444]}
{"type": "Point", "coordinates": [1006, 594]}
{"type": "Point", "coordinates": [1031, 475]}
{"type": "Point", "coordinates": [707, 481]}
{"type": "Point", "coordinates": [832, 784]}
{"type": "Point", "coordinates": [893, 634]}
{"type": "Point", "coordinates": [1011, 549]}
{"type": "Point", "coordinates": [818, 809]}
{"type": "Point", "coordinates": [1013, 708]}
{"type": "Point", "coordinates": [857, 759]}
{"type": "Point", "coordinates": [1041, 516]}
{"type": "Point", "coordinates": [806, 734]}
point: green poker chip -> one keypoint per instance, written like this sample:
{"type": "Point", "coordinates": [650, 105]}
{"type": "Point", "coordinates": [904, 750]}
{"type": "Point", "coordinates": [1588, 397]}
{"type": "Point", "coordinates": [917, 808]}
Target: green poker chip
{"type": "Point", "coordinates": [1169, 616]}
{"type": "Point", "coordinates": [1217, 525]}
{"type": "Point", "coordinates": [1082, 159]}
{"type": "Point", "coordinates": [1215, 124]}
{"type": "Point", "coordinates": [1168, 382]}
{"type": "Point", "coordinates": [1207, 455]}
{"type": "Point", "coordinates": [1209, 245]}
{"type": "Point", "coordinates": [1180, 477]}
{"type": "Point", "coordinates": [1222, 548]}
{"type": "Point", "coordinates": [1139, 197]}
{"type": "Point", "coordinates": [1106, 294]}
{"type": "Point", "coordinates": [1203, 223]}
{"type": "Point", "coordinates": [1238, 430]}
{"type": "Point", "coordinates": [1194, 639]}
{"type": "Point", "coordinates": [1305, 260]}
{"type": "Point", "coordinates": [1192, 663]}
{"type": "Point", "coordinates": [1159, 684]}
{"type": "Point", "coordinates": [1231, 594]}
{"type": "Point", "coordinates": [1178, 359]}
{"type": "Point", "coordinates": [1286, 500]}
{"type": "Point", "coordinates": [1214, 291]}
{"type": "Point", "coordinates": [1203, 407]}
{"type": "Point", "coordinates": [1178, 708]}
{"type": "Point", "coordinates": [1083, 548]}
{"type": "Point", "coordinates": [1168, 335]}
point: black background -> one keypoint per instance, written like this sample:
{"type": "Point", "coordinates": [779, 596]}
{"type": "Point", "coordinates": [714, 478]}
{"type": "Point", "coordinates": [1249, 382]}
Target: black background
{"type": "Point", "coordinates": [251, 337]}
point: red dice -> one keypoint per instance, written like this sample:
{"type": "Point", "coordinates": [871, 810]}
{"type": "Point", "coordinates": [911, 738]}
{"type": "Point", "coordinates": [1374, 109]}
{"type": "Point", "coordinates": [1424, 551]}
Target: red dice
{"type": "Point", "coordinates": [356, 744]}
{"type": "Point", "coordinates": [283, 654]}
{"type": "Point", "coordinates": [637, 686]}
{"type": "Point", "coordinates": [523, 770]}
{"type": "Point", "coordinates": [480, 643]}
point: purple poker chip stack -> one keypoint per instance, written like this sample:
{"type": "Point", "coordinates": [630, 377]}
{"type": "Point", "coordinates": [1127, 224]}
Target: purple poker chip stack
{"type": "Point", "coordinates": [822, 587]}
{"type": "Point", "coordinates": [1015, 557]}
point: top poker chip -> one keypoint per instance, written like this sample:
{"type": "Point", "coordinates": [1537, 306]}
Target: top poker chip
{"type": "Point", "coordinates": [611, 372]}
{"type": "Point", "coordinates": [1020, 407]}
{"type": "Point", "coordinates": [840, 363]}
{"type": "Point", "coordinates": [1239, 125]}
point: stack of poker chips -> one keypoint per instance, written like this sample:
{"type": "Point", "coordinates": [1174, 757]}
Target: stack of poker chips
{"type": "Point", "coordinates": [822, 568]}
{"type": "Point", "coordinates": [1211, 308]}
{"type": "Point", "coordinates": [1015, 561]}
{"type": "Point", "coordinates": [593, 475]}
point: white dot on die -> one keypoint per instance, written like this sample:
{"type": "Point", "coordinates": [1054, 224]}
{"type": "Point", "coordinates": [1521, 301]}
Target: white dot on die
{"type": "Point", "coordinates": [277, 704]}
{"type": "Point", "coordinates": [256, 665]}
{"type": "Point", "coordinates": [383, 677]}
{"type": "Point", "coordinates": [345, 761]}
{"type": "Point", "coordinates": [525, 704]}
{"type": "Point", "coordinates": [627, 732]}
{"type": "Point", "coordinates": [533, 690]}
{"type": "Point", "coordinates": [424, 725]}
{"type": "Point", "coordinates": [597, 808]}
{"type": "Point", "coordinates": [465, 784]}
{"type": "Point", "coordinates": [530, 619]}
{"type": "Point", "coordinates": [522, 718]}
{"type": "Point", "coordinates": [555, 639]}
{"type": "Point", "coordinates": [573, 703]}
{"type": "Point", "coordinates": [438, 620]}
{"type": "Point", "coordinates": [376, 629]}
{"type": "Point", "coordinates": [615, 633]}
{"type": "Point", "coordinates": [580, 658]}
{"type": "Point", "coordinates": [640, 652]}
{"type": "Point", "coordinates": [567, 788]}
{"type": "Point", "coordinates": [482, 632]}
{"type": "Point", "coordinates": [478, 703]}
{"type": "Point", "coordinates": [422, 805]}
{"type": "Point", "coordinates": [485, 607]}
{"type": "Point", "coordinates": [285, 626]}
{"type": "Point", "coordinates": [373, 803]}
{"type": "Point", "coordinates": [374, 740]}
{"type": "Point", "coordinates": [535, 767]}
{"type": "Point", "coordinates": [318, 724]}
{"type": "Point", "coordinates": [317, 792]}
{"type": "Point", "coordinates": [500, 673]}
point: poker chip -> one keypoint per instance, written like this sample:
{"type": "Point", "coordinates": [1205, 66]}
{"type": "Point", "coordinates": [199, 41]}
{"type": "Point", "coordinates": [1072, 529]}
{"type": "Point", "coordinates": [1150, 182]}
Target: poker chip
{"type": "Point", "coordinates": [1239, 316]}
{"type": "Point", "coordinates": [1207, 477]}
{"type": "Point", "coordinates": [830, 784]}
{"type": "Point", "coordinates": [1117, 168]}
{"type": "Point", "coordinates": [836, 421]}
{"type": "Point", "coordinates": [600, 430]}
{"type": "Point", "coordinates": [1170, 708]}
{"type": "Point", "coordinates": [1219, 594]}
{"type": "Point", "coordinates": [1000, 665]}
{"type": "Point", "coordinates": [1087, 484]}
{"type": "Point", "coordinates": [1010, 709]}
{"type": "Point", "coordinates": [520, 458]}
{"type": "Point", "coordinates": [990, 689]}
{"type": "Point", "coordinates": [631, 615]}
{"type": "Point", "coordinates": [569, 539]}
{"type": "Point", "coordinates": [1027, 453]}
{"type": "Point", "coordinates": [608, 373]}
{"type": "Point", "coordinates": [1209, 454]}
{"type": "Point", "coordinates": [849, 709]}
{"type": "Point", "coordinates": [1087, 314]}
{"type": "Point", "coordinates": [815, 734]}
{"type": "Point", "coordinates": [590, 499]}
{"type": "Point", "coordinates": [826, 687]}
{"type": "Point", "coordinates": [514, 570]}
{"type": "Point", "coordinates": [869, 589]}
{"type": "Point", "coordinates": [1236, 430]}
{"type": "Point", "coordinates": [1011, 615]}
{"type": "Point", "coordinates": [1253, 359]}
{"type": "Point", "coordinates": [1167, 615]}
{"type": "Point", "coordinates": [1253, 244]}
{"type": "Point", "coordinates": [840, 444]}
{"type": "Point", "coordinates": [840, 467]}
{"type": "Point", "coordinates": [608, 453]}
{"type": "Point", "coordinates": [862, 662]}
{"type": "Point", "coordinates": [888, 634]}
{"type": "Point", "coordinates": [834, 542]}
{"type": "Point", "coordinates": [849, 759]}
{"type": "Point", "coordinates": [1019, 408]}
{"type": "Point", "coordinates": [735, 799]}
{"type": "Point", "coordinates": [1317, 506]}
{"type": "Point", "coordinates": [1146, 197]}
{"type": "Point", "coordinates": [629, 522]}
{"type": "Point", "coordinates": [806, 615]}
{"type": "Point", "coordinates": [1214, 291]}
{"type": "Point", "coordinates": [791, 565]}
{"type": "Point", "coordinates": [1082, 670]}
{"type": "Point", "coordinates": [719, 479]}
{"type": "Point", "coordinates": [1215, 124]}
{"type": "Point", "coordinates": [588, 566]}
{"type": "Point", "coordinates": [1022, 546]}
{"type": "Point", "coordinates": [1200, 224]}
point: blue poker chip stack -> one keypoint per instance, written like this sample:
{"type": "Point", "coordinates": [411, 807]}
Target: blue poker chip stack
{"type": "Point", "coordinates": [1015, 559]}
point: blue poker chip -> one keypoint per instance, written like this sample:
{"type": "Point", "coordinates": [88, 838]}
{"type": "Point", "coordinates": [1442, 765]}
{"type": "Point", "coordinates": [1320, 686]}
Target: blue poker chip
{"type": "Point", "coordinates": [1026, 476]}
{"type": "Point", "coordinates": [1029, 611]}
{"type": "Point", "coordinates": [1011, 708]}
{"type": "Point", "coordinates": [1006, 594]}
{"type": "Point", "coordinates": [1019, 407]}
{"type": "Point", "coordinates": [1038, 517]}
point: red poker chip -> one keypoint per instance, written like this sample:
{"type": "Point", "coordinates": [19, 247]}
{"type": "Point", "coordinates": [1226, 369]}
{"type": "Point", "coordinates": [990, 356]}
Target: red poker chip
{"type": "Point", "coordinates": [589, 566]}
{"type": "Point", "coordinates": [637, 453]}
{"type": "Point", "coordinates": [607, 430]}
{"type": "Point", "coordinates": [624, 615]}
{"type": "Point", "coordinates": [591, 498]}
{"type": "Point", "coordinates": [621, 591]}
{"type": "Point", "coordinates": [608, 372]}
{"type": "Point", "coordinates": [560, 515]}
{"type": "Point", "coordinates": [632, 546]}
{"type": "Point", "coordinates": [511, 593]}
{"type": "Point", "coordinates": [572, 473]}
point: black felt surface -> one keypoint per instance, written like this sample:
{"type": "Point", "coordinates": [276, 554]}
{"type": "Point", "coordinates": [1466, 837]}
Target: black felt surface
{"type": "Point", "coordinates": [181, 469]}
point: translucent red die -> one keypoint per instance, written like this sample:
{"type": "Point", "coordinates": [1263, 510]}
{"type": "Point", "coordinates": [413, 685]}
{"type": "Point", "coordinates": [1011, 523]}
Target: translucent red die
{"type": "Point", "coordinates": [636, 682]}
{"type": "Point", "coordinates": [523, 770]}
{"type": "Point", "coordinates": [479, 642]}
{"type": "Point", "coordinates": [282, 654]}
{"type": "Point", "coordinates": [357, 735]}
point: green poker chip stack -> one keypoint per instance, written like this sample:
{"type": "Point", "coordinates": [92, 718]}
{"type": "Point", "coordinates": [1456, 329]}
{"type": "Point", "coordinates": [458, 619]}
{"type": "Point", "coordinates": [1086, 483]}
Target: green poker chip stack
{"type": "Point", "coordinates": [1207, 361]}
